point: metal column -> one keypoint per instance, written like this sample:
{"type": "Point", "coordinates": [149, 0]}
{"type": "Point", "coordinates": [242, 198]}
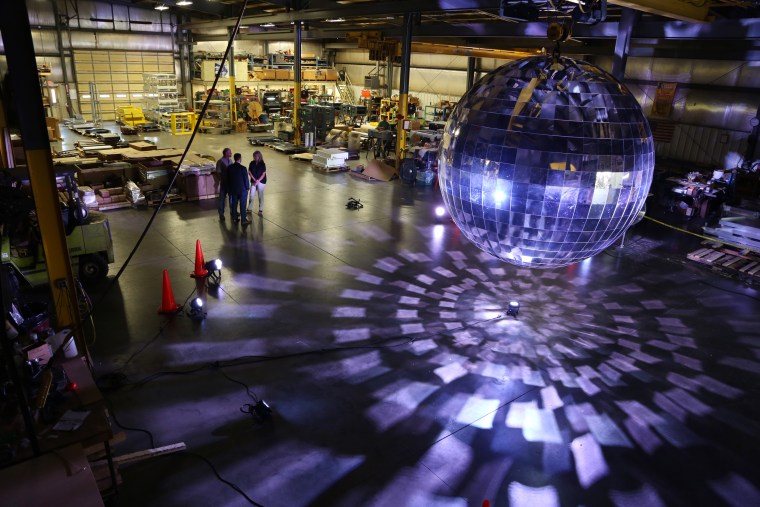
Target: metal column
{"type": "Point", "coordinates": [403, 98]}
{"type": "Point", "coordinates": [752, 141]}
{"type": "Point", "coordinates": [389, 76]}
{"type": "Point", "coordinates": [471, 64]}
{"type": "Point", "coordinates": [16, 33]}
{"type": "Point", "coordinates": [231, 73]}
{"type": "Point", "coordinates": [297, 83]}
{"type": "Point", "coordinates": [623, 42]}
{"type": "Point", "coordinates": [62, 56]}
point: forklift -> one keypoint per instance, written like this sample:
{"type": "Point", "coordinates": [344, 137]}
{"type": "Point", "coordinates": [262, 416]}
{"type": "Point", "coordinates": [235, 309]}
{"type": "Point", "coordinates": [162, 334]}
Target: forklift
{"type": "Point", "coordinates": [88, 235]}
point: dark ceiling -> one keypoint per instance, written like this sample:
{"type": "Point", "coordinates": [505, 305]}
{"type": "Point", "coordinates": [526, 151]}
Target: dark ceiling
{"type": "Point", "coordinates": [730, 29]}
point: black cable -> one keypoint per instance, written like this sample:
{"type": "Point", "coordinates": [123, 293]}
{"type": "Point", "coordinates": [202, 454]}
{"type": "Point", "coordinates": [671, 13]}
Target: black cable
{"type": "Point", "coordinates": [129, 428]}
{"type": "Point", "coordinates": [232, 485]}
{"type": "Point", "coordinates": [166, 193]}
{"type": "Point", "coordinates": [222, 479]}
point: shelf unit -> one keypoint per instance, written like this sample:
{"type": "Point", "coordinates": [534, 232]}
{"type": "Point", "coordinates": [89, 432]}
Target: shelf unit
{"type": "Point", "coordinates": [217, 118]}
{"type": "Point", "coordinates": [160, 92]}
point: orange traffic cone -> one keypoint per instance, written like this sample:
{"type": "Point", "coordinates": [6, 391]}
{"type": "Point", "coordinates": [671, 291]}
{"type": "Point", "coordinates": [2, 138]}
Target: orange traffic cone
{"type": "Point", "coordinates": [200, 263]}
{"type": "Point", "coordinates": [168, 305]}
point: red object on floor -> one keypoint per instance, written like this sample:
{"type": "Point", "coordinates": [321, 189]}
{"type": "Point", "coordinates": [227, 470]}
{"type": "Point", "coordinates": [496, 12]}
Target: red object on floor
{"type": "Point", "coordinates": [200, 263]}
{"type": "Point", "coordinates": [168, 305]}
{"type": "Point", "coordinates": [486, 503]}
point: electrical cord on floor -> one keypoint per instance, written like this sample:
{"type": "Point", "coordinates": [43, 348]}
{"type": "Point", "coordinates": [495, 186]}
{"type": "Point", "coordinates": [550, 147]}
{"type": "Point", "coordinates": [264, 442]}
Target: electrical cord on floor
{"type": "Point", "coordinates": [201, 115]}
{"type": "Point", "coordinates": [250, 359]}
{"type": "Point", "coordinates": [232, 485]}
{"type": "Point", "coordinates": [117, 378]}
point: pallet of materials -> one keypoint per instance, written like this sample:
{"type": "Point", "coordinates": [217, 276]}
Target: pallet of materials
{"type": "Point", "coordinates": [142, 145]}
{"type": "Point", "coordinates": [738, 230]}
{"type": "Point", "coordinates": [330, 160]}
{"type": "Point", "coordinates": [303, 157]}
{"type": "Point", "coordinates": [742, 263]}
{"type": "Point", "coordinates": [153, 198]}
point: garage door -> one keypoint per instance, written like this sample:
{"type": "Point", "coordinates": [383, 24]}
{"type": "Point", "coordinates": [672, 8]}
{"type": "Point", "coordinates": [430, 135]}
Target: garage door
{"type": "Point", "coordinates": [118, 76]}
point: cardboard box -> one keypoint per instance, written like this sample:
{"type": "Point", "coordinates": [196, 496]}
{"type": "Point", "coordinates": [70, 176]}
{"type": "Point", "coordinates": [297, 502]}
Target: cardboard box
{"type": "Point", "coordinates": [331, 74]}
{"type": "Point", "coordinates": [282, 74]}
{"type": "Point", "coordinates": [309, 74]}
{"type": "Point", "coordinates": [54, 130]}
{"type": "Point", "coordinates": [268, 74]}
{"type": "Point", "coordinates": [291, 75]}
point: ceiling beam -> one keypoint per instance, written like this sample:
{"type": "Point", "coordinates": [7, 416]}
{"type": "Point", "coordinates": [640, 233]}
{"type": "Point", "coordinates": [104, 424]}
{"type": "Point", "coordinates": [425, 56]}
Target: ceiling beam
{"type": "Point", "coordinates": [372, 9]}
{"type": "Point", "coordinates": [683, 10]}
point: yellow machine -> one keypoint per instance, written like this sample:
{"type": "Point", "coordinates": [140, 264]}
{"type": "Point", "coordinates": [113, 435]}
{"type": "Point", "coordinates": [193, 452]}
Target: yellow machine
{"type": "Point", "coordinates": [130, 115]}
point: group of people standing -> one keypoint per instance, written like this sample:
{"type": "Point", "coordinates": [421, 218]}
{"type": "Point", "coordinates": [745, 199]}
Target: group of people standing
{"type": "Point", "coordinates": [239, 184]}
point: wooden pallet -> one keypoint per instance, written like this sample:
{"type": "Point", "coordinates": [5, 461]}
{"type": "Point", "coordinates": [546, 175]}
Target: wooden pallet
{"type": "Point", "coordinates": [744, 263]}
{"type": "Point", "coordinates": [174, 198]}
{"type": "Point", "coordinates": [326, 170]}
{"type": "Point", "coordinates": [304, 157]}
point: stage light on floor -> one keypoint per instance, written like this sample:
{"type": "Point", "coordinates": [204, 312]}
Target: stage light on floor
{"type": "Point", "coordinates": [513, 309]}
{"type": "Point", "coordinates": [214, 268]}
{"type": "Point", "coordinates": [440, 211]}
{"type": "Point", "coordinates": [196, 309]}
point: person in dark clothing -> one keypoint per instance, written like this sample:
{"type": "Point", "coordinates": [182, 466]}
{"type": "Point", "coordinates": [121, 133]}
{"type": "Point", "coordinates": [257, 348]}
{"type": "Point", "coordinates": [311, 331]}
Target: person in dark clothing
{"type": "Point", "coordinates": [220, 176]}
{"type": "Point", "coordinates": [237, 186]}
{"type": "Point", "coordinates": [257, 170]}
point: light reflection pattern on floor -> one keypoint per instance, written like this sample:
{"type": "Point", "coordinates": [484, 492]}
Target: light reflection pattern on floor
{"type": "Point", "coordinates": [607, 389]}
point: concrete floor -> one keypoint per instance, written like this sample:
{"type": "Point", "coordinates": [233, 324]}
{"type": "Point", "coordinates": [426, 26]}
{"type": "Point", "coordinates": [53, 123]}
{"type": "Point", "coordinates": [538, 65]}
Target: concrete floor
{"type": "Point", "coordinates": [380, 340]}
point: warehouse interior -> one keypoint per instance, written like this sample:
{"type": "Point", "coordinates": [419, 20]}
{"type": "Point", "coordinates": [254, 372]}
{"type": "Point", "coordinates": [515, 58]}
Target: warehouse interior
{"type": "Point", "coordinates": [355, 345]}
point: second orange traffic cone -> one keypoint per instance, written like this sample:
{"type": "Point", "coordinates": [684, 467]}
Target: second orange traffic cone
{"type": "Point", "coordinates": [168, 305]}
{"type": "Point", "coordinates": [200, 263]}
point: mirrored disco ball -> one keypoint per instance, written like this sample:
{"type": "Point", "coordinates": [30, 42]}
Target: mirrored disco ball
{"type": "Point", "coordinates": [546, 162]}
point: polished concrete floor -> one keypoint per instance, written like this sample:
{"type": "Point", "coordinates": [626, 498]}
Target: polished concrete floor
{"type": "Point", "coordinates": [380, 340]}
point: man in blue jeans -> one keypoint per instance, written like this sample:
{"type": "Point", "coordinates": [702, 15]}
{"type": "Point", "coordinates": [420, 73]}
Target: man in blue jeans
{"type": "Point", "coordinates": [220, 175]}
{"type": "Point", "coordinates": [238, 184]}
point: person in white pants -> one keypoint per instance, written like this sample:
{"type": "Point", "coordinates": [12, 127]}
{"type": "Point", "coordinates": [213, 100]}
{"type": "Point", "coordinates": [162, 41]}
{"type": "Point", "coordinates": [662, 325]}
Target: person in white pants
{"type": "Point", "coordinates": [257, 170]}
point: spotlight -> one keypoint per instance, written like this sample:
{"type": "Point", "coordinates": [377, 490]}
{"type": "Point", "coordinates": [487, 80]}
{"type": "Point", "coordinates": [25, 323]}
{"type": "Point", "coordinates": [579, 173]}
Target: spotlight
{"type": "Point", "coordinates": [513, 309]}
{"type": "Point", "coordinates": [196, 309]}
{"type": "Point", "coordinates": [261, 411]}
{"type": "Point", "coordinates": [161, 7]}
{"type": "Point", "coordinates": [440, 211]}
{"type": "Point", "coordinates": [214, 268]}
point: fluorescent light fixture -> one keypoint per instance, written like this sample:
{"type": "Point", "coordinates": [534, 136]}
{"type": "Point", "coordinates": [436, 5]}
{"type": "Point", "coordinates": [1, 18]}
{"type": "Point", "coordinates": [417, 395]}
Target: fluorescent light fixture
{"type": "Point", "coordinates": [121, 95]}
{"type": "Point", "coordinates": [335, 20]}
{"type": "Point", "coordinates": [105, 96]}
{"type": "Point", "coordinates": [137, 95]}
{"type": "Point", "coordinates": [86, 96]}
{"type": "Point", "coordinates": [161, 7]}
{"type": "Point", "coordinates": [183, 3]}
{"type": "Point", "coordinates": [267, 25]}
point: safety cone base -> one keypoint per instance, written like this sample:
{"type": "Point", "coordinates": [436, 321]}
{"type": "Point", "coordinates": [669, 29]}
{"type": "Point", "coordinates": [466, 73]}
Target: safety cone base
{"type": "Point", "coordinates": [170, 309]}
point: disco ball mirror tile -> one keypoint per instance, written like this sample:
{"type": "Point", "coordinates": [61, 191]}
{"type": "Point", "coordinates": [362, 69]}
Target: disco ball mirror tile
{"type": "Point", "coordinates": [546, 162]}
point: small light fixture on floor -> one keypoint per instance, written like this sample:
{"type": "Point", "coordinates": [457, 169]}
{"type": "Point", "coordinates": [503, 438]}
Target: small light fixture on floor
{"type": "Point", "coordinates": [196, 309]}
{"type": "Point", "coordinates": [440, 211]}
{"type": "Point", "coordinates": [261, 411]}
{"type": "Point", "coordinates": [513, 309]}
{"type": "Point", "coordinates": [214, 268]}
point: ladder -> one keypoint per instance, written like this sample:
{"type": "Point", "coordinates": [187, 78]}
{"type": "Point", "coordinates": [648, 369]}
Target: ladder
{"type": "Point", "coordinates": [95, 104]}
{"type": "Point", "coordinates": [343, 84]}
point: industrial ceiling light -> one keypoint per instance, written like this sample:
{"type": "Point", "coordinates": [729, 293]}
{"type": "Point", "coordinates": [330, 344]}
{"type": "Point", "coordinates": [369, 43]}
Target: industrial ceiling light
{"type": "Point", "coordinates": [334, 20]}
{"type": "Point", "coordinates": [183, 3]}
{"type": "Point", "coordinates": [513, 309]}
{"type": "Point", "coordinates": [267, 25]}
{"type": "Point", "coordinates": [161, 7]}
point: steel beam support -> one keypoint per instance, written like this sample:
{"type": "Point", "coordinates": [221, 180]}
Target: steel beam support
{"type": "Point", "coordinates": [403, 96]}
{"type": "Point", "coordinates": [623, 42]}
{"type": "Point", "coordinates": [62, 57]}
{"type": "Point", "coordinates": [16, 33]}
{"type": "Point", "coordinates": [297, 30]}
{"type": "Point", "coordinates": [231, 74]}
{"type": "Point", "coordinates": [471, 64]}
{"type": "Point", "coordinates": [676, 9]}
